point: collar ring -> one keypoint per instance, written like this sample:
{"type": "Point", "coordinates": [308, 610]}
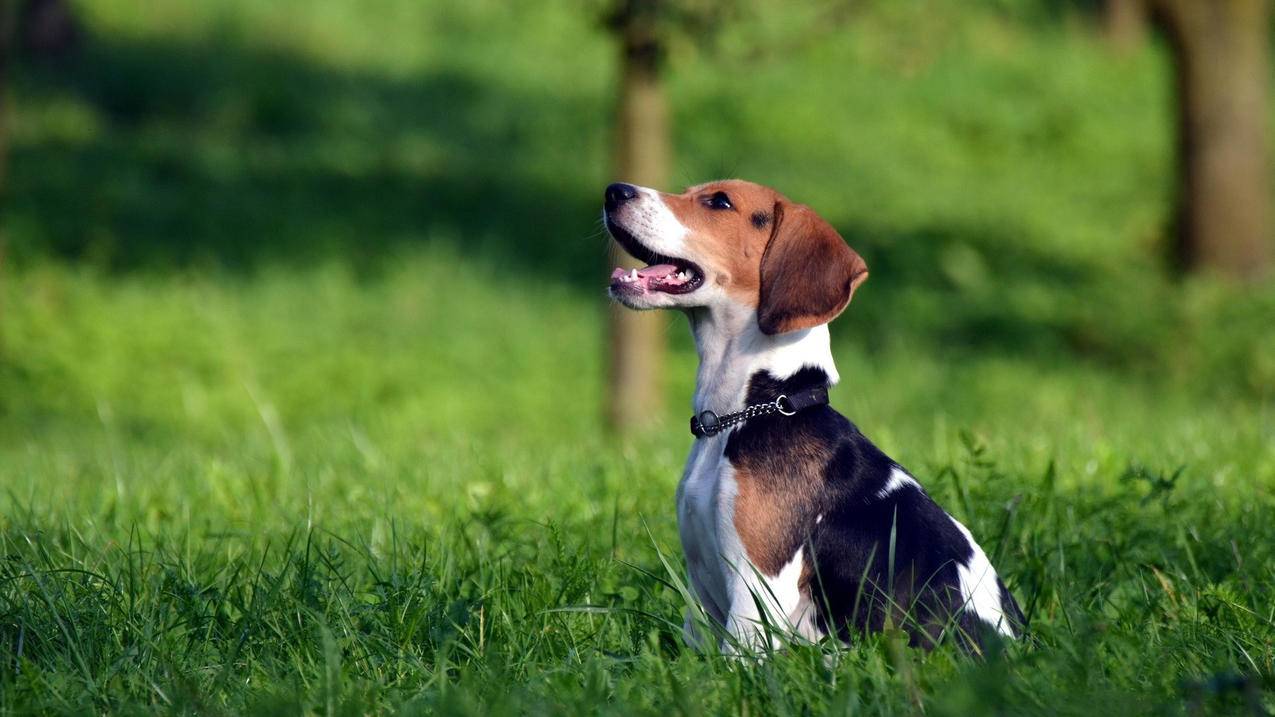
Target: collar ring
{"type": "Point", "coordinates": [784, 406]}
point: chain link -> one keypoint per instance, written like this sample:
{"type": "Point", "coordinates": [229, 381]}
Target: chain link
{"type": "Point", "coordinates": [754, 411]}
{"type": "Point", "coordinates": [708, 423]}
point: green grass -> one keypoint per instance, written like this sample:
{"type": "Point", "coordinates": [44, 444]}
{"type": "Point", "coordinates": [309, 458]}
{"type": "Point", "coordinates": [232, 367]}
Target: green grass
{"type": "Point", "coordinates": [300, 375]}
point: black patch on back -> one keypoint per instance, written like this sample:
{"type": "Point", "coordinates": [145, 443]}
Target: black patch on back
{"type": "Point", "coordinates": [852, 580]}
{"type": "Point", "coordinates": [857, 584]}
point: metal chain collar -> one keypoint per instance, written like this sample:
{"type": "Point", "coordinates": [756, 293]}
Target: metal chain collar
{"type": "Point", "coordinates": [708, 423]}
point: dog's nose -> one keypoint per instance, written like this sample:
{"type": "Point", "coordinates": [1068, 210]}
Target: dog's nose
{"type": "Point", "coordinates": [619, 193]}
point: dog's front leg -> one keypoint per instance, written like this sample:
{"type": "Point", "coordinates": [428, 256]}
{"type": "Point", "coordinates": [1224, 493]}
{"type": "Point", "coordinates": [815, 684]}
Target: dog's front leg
{"type": "Point", "coordinates": [763, 609]}
{"type": "Point", "coordinates": [746, 632]}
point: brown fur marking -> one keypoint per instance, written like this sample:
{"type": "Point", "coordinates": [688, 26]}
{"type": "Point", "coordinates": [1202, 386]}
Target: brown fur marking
{"type": "Point", "coordinates": [799, 273]}
{"type": "Point", "coordinates": [726, 240]}
{"type": "Point", "coordinates": [777, 502]}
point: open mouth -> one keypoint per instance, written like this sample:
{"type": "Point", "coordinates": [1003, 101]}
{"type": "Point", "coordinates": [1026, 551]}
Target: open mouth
{"type": "Point", "coordinates": [664, 274]}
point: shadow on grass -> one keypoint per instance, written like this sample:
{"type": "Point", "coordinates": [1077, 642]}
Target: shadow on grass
{"type": "Point", "coordinates": [163, 154]}
{"type": "Point", "coordinates": [973, 288]}
{"type": "Point", "coordinates": [223, 155]}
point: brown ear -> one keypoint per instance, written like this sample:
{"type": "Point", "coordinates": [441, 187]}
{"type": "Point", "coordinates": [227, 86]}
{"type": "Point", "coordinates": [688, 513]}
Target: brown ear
{"type": "Point", "coordinates": [808, 272]}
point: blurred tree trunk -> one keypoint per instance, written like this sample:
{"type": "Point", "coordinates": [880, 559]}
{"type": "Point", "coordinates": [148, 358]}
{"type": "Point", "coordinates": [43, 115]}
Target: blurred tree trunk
{"type": "Point", "coordinates": [1125, 22]}
{"type": "Point", "coordinates": [47, 29]}
{"type": "Point", "coordinates": [7, 21]}
{"type": "Point", "coordinates": [636, 392]}
{"type": "Point", "coordinates": [1220, 56]}
{"type": "Point", "coordinates": [7, 14]}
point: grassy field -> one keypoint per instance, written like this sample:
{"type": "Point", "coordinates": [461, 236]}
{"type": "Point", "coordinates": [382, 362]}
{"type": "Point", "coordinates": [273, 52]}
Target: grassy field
{"type": "Point", "coordinates": [300, 343]}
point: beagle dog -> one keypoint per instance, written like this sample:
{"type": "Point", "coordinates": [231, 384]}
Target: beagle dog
{"type": "Point", "coordinates": [791, 520]}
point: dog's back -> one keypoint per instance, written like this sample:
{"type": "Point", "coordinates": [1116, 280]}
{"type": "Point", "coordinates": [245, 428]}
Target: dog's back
{"type": "Point", "coordinates": [879, 550]}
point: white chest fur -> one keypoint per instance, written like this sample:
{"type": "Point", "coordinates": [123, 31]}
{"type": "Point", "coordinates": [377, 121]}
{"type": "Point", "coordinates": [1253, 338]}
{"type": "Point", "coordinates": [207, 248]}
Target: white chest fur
{"type": "Point", "coordinates": [727, 584]}
{"type": "Point", "coordinates": [698, 512]}
{"type": "Point", "coordinates": [729, 587]}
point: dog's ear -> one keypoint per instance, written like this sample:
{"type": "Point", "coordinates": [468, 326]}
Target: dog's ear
{"type": "Point", "coordinates": [808, 272]}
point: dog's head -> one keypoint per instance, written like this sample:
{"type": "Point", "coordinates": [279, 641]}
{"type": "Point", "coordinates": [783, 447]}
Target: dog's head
{"type": "Point", "coordinates": [731, 241]}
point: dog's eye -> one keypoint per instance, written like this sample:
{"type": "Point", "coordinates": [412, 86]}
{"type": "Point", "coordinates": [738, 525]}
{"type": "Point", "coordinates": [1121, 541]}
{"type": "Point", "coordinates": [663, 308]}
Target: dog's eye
{"type": "Point", "coordinates": [719, 201]}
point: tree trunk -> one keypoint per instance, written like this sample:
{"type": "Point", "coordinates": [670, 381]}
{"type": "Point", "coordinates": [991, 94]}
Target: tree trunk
{"type": "Point", "coordinates": [1124, 22]}
{"type": "Point", "coordinates": [47, 29]}
{"type": "Point", "coordinates": [1220, 56]}
{"type": "Point", "coordinates": [636, 391]}
{"type": "Point", "coordinates": [7, 14]}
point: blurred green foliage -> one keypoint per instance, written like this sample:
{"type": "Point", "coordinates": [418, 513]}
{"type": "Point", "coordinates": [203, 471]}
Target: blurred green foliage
{"type": "Point", "coordinates": [301, 299]}
{"type": "Point", "coordinates": [1008, 184]}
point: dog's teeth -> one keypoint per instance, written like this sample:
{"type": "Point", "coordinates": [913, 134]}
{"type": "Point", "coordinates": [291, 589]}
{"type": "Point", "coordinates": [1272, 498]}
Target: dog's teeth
{"type": "Point", "coordinates": [633, 275]}
{"type": "Point", "coordinates": [683, 276]}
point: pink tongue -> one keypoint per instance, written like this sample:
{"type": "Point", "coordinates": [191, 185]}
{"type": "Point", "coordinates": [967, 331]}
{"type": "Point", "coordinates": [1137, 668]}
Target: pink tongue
{"type": "Point", "coordinates": [657, 271]}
